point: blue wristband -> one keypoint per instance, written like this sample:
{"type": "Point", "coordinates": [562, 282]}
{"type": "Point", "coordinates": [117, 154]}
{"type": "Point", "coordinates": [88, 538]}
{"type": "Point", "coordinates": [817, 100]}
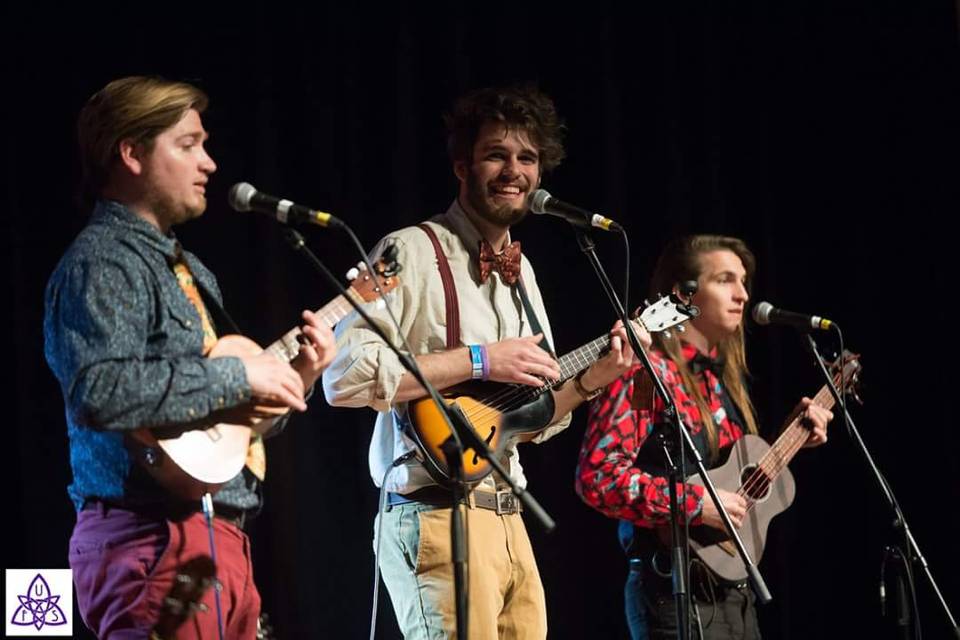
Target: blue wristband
{"type": "Point", "coordinates": [476, 361]}
{"type": "Point", "coordinates": [486, 362]}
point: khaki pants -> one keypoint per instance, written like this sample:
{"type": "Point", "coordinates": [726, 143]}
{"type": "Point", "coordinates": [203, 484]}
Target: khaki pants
{"type": "Point", "coordinates": [506, 596]}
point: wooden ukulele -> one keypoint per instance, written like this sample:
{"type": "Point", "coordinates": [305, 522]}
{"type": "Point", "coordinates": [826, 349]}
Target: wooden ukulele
{"type": "Point", "coordinates": [759, 473]}
{"type": "Point", "coordinates": [202, 459]}
{"type": "Point", "coordinates": [501, 413]}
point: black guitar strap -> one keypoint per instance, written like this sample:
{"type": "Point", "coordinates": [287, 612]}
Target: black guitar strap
{"type": "Point", "coordinates": [535, 326]}
{"type": "Point", "coordinates": [218, 315]}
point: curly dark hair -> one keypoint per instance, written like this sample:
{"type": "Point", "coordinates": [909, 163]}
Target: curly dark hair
{"type": "Point", "coordinates": [523, 108]}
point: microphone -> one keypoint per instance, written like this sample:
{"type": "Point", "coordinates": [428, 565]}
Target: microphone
{"type": "Point", "coordinates": [244, 197]}
{"type": "Point", "coordinates": [766, 313]}
{"type": "Point", "coordinates": [542, 202]}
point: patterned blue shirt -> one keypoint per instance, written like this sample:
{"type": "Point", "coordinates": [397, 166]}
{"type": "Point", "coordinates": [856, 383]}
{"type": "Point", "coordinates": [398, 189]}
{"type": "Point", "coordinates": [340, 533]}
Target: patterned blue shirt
{"type": "Point", "coordinates": [126, 345]}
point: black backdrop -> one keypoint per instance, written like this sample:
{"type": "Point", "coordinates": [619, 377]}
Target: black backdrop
{"type": "Point", "coordinates": [825, 135]}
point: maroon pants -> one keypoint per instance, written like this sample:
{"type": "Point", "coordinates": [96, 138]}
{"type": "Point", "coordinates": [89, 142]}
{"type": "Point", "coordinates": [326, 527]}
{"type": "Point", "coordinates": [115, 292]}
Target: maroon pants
{"type": "Point", "coordinates": [125, 563]}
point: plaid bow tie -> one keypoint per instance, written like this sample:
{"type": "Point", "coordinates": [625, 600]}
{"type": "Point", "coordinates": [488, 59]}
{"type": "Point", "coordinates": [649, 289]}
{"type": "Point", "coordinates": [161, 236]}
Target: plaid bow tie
{"type": "Point", "coordinates": [506, 262]}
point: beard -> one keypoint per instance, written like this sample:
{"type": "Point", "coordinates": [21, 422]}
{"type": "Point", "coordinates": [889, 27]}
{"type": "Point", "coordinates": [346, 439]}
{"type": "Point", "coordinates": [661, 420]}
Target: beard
{"type": "Point", "coordinates": [505, 215]}
{"type": "Point", "coordinates": [174, 211]}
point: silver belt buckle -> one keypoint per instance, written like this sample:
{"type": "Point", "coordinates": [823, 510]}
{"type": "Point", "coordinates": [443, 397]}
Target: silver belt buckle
{"type": "Point", "coordinates": [506, 502]}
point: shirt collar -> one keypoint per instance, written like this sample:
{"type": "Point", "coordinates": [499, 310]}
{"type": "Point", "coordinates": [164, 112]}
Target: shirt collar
{"type": "Point", "coordinates": [690, 352]}
{"type": "Point", "coordinates": [464, 228]}
{"type": "Point", "coordinates": [114, 213]}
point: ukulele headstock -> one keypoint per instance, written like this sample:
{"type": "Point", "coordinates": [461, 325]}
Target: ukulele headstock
{"type": "Point", "coordinates": [846, 371]}
{"type": "Point", "coordinates": [667, 312]}
{"type": "Point", "coordinates": [370, 287]}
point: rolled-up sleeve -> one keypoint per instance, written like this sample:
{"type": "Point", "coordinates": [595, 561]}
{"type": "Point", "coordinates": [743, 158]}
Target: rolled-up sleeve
{"type": "Point", "coordinates": [608, 477]}
{"type": "Point", "coordinates": [365, 371]}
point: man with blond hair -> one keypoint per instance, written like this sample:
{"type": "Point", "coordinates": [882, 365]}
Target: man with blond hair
{"type": "Point", "coordinates": [130, 318]}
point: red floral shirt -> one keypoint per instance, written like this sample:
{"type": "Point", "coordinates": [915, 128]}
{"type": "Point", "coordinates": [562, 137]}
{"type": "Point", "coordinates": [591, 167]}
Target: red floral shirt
{"type": "Point", "coordinates": [621, 422]}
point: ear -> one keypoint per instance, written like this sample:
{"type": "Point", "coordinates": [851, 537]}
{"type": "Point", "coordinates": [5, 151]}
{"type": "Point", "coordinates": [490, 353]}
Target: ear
{"type": "Point", "coordinates": [460, 170]}
{"type": "Point", "coordinates": [131, 156]}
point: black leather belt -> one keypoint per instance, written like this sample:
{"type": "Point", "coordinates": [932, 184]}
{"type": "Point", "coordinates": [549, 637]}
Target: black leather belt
{"type": "Point", "coordinates": [504, 503]}
{"type": "Point", "coordinates": [236, 517]}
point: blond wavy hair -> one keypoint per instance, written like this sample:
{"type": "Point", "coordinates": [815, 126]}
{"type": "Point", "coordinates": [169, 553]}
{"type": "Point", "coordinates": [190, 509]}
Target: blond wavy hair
{"type": "Point", "coordinates": [136, 108]}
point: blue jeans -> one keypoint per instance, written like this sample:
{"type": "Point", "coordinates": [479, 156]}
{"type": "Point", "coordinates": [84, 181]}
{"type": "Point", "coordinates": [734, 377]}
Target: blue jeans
{"type": "Point", "coordinates": [635, 605]}
{"type": "Point", "coordinates": [725, 612]}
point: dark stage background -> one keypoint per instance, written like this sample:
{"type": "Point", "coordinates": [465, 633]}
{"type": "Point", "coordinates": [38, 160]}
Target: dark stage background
{"type": "Point", "coordinates": [823, 133]}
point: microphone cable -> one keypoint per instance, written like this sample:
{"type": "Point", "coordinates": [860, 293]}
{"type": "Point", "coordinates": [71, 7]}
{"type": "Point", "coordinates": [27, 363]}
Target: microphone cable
{"type": "Point", "coordinates": [378, 537]}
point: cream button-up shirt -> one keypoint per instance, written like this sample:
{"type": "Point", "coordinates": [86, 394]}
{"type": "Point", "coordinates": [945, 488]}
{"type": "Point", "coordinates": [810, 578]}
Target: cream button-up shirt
{"type": "Point", "coordinates": [366, 373]}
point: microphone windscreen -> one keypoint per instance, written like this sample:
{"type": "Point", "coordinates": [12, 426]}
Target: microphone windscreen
{"type": "Point", "coordinates": [761, 312]}
{"type": "Point", "coordinates": [240, 195]}
{"type": "Point", "coordinates": [538, 201]}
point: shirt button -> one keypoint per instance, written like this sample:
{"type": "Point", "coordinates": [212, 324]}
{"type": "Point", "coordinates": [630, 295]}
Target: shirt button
{"type": "Point", "coordinates": [220, 400]}
{"type": "Point", "coordinates": [191, 412]}
{"type": "Point", "coordinates": [189, 323]}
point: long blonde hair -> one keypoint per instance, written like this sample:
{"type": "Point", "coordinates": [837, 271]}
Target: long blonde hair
{"type": "Point", "coordinates": [679, 262]}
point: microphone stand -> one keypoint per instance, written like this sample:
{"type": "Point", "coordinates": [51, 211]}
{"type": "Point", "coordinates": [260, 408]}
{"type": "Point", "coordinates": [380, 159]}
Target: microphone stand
{"type": "Point", "coordinates": [462, 437]}
{"type": "Point", "coordinates": [680, 544]}
{"type": "Point", "coordinates": [899, 520]}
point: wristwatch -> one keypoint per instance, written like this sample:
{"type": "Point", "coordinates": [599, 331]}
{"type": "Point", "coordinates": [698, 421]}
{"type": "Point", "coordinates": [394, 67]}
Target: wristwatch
{"type": "Point", "coordinates": [586, 395]}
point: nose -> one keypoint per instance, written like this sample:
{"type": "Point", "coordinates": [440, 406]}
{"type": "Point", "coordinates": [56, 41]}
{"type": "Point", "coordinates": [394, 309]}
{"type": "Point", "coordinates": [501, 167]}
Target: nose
{"type": "Point", "coordinates": [207, 165]}
{"type": "Point", "coordinates": [511, 167]}
{"type": "Point", "coordinates": [740, 293]}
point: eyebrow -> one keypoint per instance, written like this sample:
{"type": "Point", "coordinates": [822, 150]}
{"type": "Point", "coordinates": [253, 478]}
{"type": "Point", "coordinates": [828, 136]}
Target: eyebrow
{"type": "Point", "coordinates": [497, 146]}
{"type": "Point", "coordinates": [728, 272]}
{"type": "Point", "coordinates": [196, 135]}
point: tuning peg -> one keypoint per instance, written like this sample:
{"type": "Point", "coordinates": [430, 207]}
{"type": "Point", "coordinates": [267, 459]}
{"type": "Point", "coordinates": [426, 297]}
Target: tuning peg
{"type": "Point", "coordinates": [390, 252]}
{"type": "Point", "coordinates": [854, 391]}
{"type": "Point", "coordinates": [680, 328]}
{"type": "Point", "coordinates": [691, 310]}
{"type": "Point", "coordinates": [352, 274]}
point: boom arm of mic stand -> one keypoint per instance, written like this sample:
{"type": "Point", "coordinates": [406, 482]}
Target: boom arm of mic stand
{"type": "Point", "coordinates": [760, 587]}
{"type": "Point", "coordinates": [901, 521]}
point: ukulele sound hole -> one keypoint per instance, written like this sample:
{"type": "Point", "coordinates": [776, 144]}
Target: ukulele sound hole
{"type": "Point", "coordinates": [754, 483]}
{"type": "Point", "coordinates": [476, 456]}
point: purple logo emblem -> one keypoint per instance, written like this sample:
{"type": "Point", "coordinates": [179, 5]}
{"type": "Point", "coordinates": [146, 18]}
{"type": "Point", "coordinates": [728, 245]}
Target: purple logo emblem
{"type": "Point", "coordinates": [38, 607]}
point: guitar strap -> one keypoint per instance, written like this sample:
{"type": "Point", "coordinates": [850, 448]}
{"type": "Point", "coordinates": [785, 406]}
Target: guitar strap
{"type": "Point", "coordinates": [218, 314]}
{"type": "Point", "coordinates": [532, 316]}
